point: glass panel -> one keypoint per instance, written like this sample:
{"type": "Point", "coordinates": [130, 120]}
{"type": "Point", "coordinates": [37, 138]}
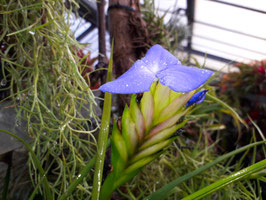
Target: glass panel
{"type": "Point", "coordinates": [230, 38]}
{"type": "Point", "coordinates": [254, 4]}
{"type": "Point", "coordinates": [214, 64]}
{"type": "Point", "coordinates": [232, 18]}
{"type": "Point", "coordinates": [224, 50]}
{"type": "Point", "coordinates": [170, 5]}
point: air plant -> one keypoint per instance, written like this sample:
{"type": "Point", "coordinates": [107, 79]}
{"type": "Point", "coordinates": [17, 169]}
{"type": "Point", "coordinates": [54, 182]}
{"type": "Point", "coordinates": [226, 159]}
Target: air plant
{"type": "Point", "coordinates": [146, 129]}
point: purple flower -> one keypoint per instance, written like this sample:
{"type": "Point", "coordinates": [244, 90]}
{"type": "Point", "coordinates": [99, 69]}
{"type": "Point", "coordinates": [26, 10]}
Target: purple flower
{"type": "Point", "coordinates": [157, 64]}
{"type": "Point", "coordinates": [197, 98]}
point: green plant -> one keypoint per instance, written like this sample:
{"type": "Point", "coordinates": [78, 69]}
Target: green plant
{"type": "Point", "coordinates": [169, 34]}
{"type": "Point", "coordinates": [42, 69]}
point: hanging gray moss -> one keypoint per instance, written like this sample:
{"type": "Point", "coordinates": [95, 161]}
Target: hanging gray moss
{"type": "Point", "coordinates": [45, 86]}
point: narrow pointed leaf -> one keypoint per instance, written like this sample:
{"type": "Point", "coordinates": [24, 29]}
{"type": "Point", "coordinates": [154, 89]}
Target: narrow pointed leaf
{"type": "Point", "coordinates": [142, 162]}
{"type": "Point", "coordinates": [173, 95]}
{"type": "Point", "coordinates": [151, 150]}
{"type": "Point", "coordinates": [108, 187]}
{"type": "Point", "coordinates": [161, 99]}
{"type": "Point", "coordinates": [173, 107]}
{"type": "Point", "coordinates": [119, 150]}
{"type": "Point", "coordinates": [147, 109]}
{"type": "Point", "coordinates": [166, 124]}
{"type": "Point", "coordinates": [125, 177]}
{"type": "Point", "coordinates": [112, 182]}
{"type": "Point", "coordinates": [133, 170]}
{"type": "Point", "coordinates": [153, 87]}
{"type": "Point", "coordinates": [161, 136]}
{"type": "Point", "coordinates": [163, 192]}
{"type": "Point", "coordinates": [227, 180]}
{"type": "Point", "coordinates": [129, 132]}
{"type": "Point", "coordinates": [137, 117]}
{"type": "Point", "coordinates": [103, 135]}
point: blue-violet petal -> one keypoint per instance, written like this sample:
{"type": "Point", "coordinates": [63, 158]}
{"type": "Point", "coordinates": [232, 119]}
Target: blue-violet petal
{"type": "Point", "coordinates": [137, 79]}
{"type": "Point", "coordinates": [158, 63]}
{"type": "Point", "coordinates": [182, 78]}
{"type": "Point", "coordinates": [158, 59]}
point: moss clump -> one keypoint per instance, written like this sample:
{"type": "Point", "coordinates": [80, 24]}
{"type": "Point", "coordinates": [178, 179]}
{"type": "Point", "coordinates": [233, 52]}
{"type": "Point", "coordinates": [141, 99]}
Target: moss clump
{"type": "Point", "coordinates": [41, 67]}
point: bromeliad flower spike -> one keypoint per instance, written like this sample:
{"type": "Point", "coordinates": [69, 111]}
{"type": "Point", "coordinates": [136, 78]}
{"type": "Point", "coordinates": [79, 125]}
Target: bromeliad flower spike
{"type": "Point", "coordinates": [157, 64]}
{"type": "Point", "coordinates": [147, 129]}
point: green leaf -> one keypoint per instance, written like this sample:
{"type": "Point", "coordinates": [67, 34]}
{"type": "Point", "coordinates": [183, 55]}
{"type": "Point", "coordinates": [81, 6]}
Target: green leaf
{"type": "Point", "coordinates": [173, 95]}
{"type": "Point", "coordinates": [124, 178]}
{"type": "Point", "coordinates": [134, 169]}
{"type": "Point", "coordinates": [113, 181]}
{"type": "Point", "coordinates": [228, 180]}
{"type": "Point", "coordinates": [153, 87]}
{"type": "Point", "coordinates": [108, 187]}
{"type": "Point", "coordinates": [147, 109]}
{"type": "Point", "coordinates": [165, 190]}
{"type": "Point", "coordinates": [173, 107]}
{"type": "Point", "coordinates": [119, 150]}
{"type": "Point", "coordinates": [84, 172]}
{"type": "Point", "coordinates": [159, 102]}
{"type": "Point", "coordinates": [151, 150]}
{"type": "Point", "coordinates": [225, 105]}
{"type": "Point", "coordinates": [129, 132]}
{"type": "Point", "coordinates": [167, 123]}
{"type": "Point", "coordinates": [137, 117]}
{"type": "Point", "coordinates": [141, 163]}
{"type": "Point", "coordinates": [161, 136]}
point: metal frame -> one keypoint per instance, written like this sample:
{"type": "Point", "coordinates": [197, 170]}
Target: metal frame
{"type": "Point", "coordinates": [190, 12]}
{"type": "Point", "coordinates": [88, 11]}
{"type": "Point", "coordinates": [238, 6]}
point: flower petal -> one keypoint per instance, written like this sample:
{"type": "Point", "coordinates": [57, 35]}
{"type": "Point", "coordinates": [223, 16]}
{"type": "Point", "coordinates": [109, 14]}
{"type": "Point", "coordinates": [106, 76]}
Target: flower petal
{"type": "Point", "coordinates": [159, 63]}
{"type": "Point", "coordinates": [136, 80]}
{"type": "Point", "coordinates": [182, 78]}
{"type": "Point", "coordinates": [197, 98]}
{"type": "Point", "coordinates": [158, 58]}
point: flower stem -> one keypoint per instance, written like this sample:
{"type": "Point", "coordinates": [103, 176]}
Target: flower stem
{"type": "Point", "coordinates": [103, 137]}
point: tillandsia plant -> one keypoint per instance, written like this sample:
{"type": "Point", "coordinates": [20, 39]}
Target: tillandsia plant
{"type": "Point", "coordinates": [44, 75]}
{"type": "Point", "coordinates": [146, 129]}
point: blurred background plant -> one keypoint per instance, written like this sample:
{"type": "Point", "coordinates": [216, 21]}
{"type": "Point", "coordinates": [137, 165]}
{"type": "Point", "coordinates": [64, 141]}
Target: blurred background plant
{"type": "Point", "coordinates": [169, 34]}
{"type": "Point", "coordinates": [246, 91]}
